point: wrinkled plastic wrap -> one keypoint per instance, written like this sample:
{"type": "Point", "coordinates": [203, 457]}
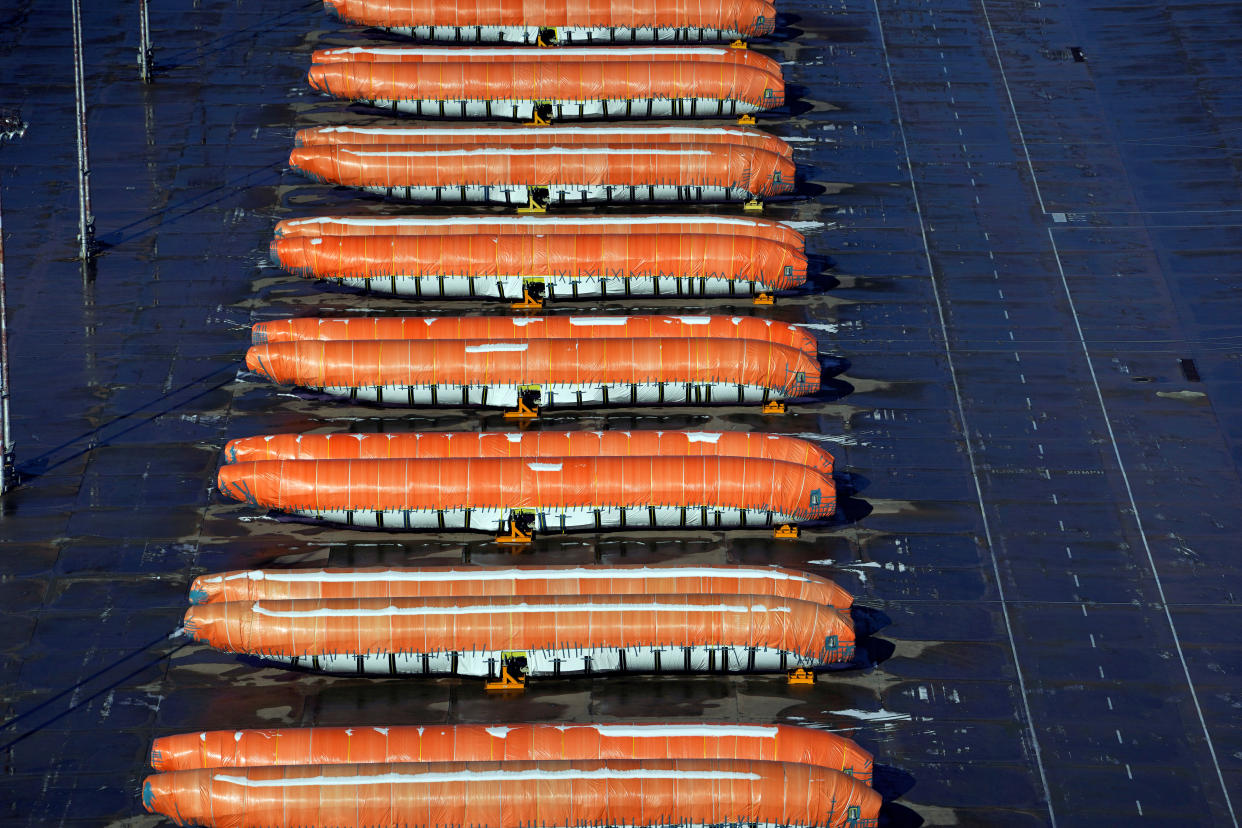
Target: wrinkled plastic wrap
{"type": "Point", "coordinates": [633, 579]}
{"type": "Point", "coordinates": [515, 795]}
{"type": "Point", "coordinates": [468, 79]}
{"type": "Point", "coordinates": [758, 172]}
{"type": "Point", "coordinates": [717, 56]}
{"type": "Point", "coordinates": [540, 225]}
{"type": "Point", "coordinates": [361, 626]}
{"type": "Point", "coordinates": [532, 444]}
{"type": "Point", "coordinates": [746, 18]}
{"type": "Point", "coordinates": [544, 136]}
{"type": "Point", "coordinates": [541, 362]}
{"type": "Point", "coordinates": [522, 483]}
{"type": "Point", "coordinates": [533, 327]}
{"type": "Point", "coordinates": [510, 743]}
{"type": "Point", "coordinates": [682, 256]}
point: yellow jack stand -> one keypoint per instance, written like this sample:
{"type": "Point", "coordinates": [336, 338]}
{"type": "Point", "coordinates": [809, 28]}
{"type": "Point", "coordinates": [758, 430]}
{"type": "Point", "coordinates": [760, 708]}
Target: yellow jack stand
{"type": "Point", "coordinates": [528, 302]}
{"type": "Point", "coordinates": [800, 676]}
{"type": "Point", "coordinates": [738, 44]}
{"type": "Point", "coordinates": [537, 120]}
{"type": "Point", "coordinates": [785, 532]}
{"type": "Point", "coordinates": [773, 407]}
{"type": "Point", "coordinates": [507, 682]}
{"type": "Point", "coordinates": [540, 44]}
{"type": "Point", "coordinates": [522, 412]}
{"type": "Point", "coordinates": [533, 206]}
{"type": "Point", "coordinates": [753, 206]}
{"type": "Point", "coordinates": [514, 537]}
{"type": "Point", "coordinates": [746, 119]}
{"type": "Point", "coordinates": [763, 299]}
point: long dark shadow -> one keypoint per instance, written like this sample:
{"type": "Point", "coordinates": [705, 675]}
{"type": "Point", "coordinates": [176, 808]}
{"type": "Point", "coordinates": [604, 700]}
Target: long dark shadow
{"type": "Point", "coordinates": [36, 466]}
{"type": "Point", "coordinates": [93, 696]}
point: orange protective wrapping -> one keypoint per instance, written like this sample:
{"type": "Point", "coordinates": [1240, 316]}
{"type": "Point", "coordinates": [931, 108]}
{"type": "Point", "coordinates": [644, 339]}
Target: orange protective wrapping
{"type": "Point", "coordinates": [684, 256]}
{"type": "Point", "coordinates": [510, 743]}
{"type": "Point", "coordinates": [515, 795]}
{"type": "Point", "coordinates": [534, 327]}
{"type": "Point", "coordinates": [363, 626]}
{"type": "Point", "coordinates": [751, 18]}
{"type": "Point", "coordinates": [545, 136]}
{"type": "Point", "coordinates": [756, 171]}
{"type": "Point", "coordinates": [547, 79]}
{"type": "Point", "coordinates": [517, 483]}
{"type": "Point", "coordinates": [715, 56]}
{"type": "Point", "coordinates": [539, 225]}
{"type": "Point", "coordinates": [542, 362]}
{"type": "Point", "coordinates": [445, 581]}
{"type": "Point", "coordinates": [533, 444]}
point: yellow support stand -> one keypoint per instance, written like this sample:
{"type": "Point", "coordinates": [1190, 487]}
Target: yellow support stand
{"type": "Point", "coordinates": [746, 120]}
{"type": "Point", "coordinates": [522, 412]}
{"type": "Point", "coordinates": [753, 206]}
{"type": "Point", "coordinates": [786, 532]}
{"type": "Point", "coordinates": [514, 537]}
{"type": "Point", "coordinates": [507, 682]}
{"type": "Point", "coordinates": [528, 302]}
{"type": "Point", "coordinates": [764, 299]}
{"type": "Point", "coordinates": [536, 119]}
{"type": "Point", "coordinates": [773, 407]}
{"type": "Point", "coordinates": [800, 676]}
{"type": "Point", "coordinates": [738, 44]}
{"type": "Point", "coordinates": [532, 206]}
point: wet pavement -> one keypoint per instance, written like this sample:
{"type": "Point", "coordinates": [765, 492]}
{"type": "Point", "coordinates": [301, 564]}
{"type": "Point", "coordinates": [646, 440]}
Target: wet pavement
{"type": "Point", "coordinates": [1026, 294]}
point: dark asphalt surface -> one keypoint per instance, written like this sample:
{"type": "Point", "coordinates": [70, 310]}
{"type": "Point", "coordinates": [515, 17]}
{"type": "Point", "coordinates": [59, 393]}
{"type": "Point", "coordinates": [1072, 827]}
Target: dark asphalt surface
{"type": "Point", "coordinates": [1028, 292]}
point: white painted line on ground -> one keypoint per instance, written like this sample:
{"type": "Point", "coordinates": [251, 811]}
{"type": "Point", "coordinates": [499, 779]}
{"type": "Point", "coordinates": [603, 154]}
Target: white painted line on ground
{"type": "Point", "coordinates": [961, 413]}
{"type": "Point", "coordinates": [1000, 65]}
{"type": "Point", "coordinates": [1138, 521]}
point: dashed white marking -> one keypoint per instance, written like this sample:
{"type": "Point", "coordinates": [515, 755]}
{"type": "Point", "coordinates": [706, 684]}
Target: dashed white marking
{"type": "Point", "coordinates": [1000, 64]}
{"type": "Point", "coordinates": [961, 413]}
{"type": "Point", "coordinates": [1138, 521]}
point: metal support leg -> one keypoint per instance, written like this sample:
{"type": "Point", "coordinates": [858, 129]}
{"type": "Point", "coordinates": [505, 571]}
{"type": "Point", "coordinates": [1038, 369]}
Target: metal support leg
{"type": "Point", "coordinates": [86, 219]}
{"type": "Point", "coordinates": [11, 126]}
{"type": "Point", "coordinates": [7, 474]}
{"type": "Point", "coordinates": [146, 57]}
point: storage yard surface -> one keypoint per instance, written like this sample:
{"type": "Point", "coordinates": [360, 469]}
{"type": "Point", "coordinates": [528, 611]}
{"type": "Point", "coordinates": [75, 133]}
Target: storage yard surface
{"type": "Point", "coordinates": [1026, 290]}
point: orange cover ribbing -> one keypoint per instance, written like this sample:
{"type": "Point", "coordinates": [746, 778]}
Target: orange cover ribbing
{"type": "Point", "coordinates": [545, 136]}
{"type": "Point", "coordinates": [444, 581]}
{"type": "Point", "coordinates": [549, 80]}
{"type": "Point", "coordinates": [515, 795]}
{"type": "Point", "coordinates": [533, 327]}
{"type": "Point", "coordinates": [510, 743]}
{"type": "Point", "coordinates": [539, 225]}
{"type": "Point", "coordinates": [517, 483]}
{"type": "Point", "coordinates": [682, 256]}
{"type": "Point", "coordinates": [751, 18]}
{"type": "Point", "coordinates": [361, 626]}
{"type": "Point", "coordinates": [533, 444]}
{"type": "Point", "coordinates": [542, 362]}
{"type": "Point", "coordinates": [756, 171]}
{"type": "Point", "coordinates": [716, 56]}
